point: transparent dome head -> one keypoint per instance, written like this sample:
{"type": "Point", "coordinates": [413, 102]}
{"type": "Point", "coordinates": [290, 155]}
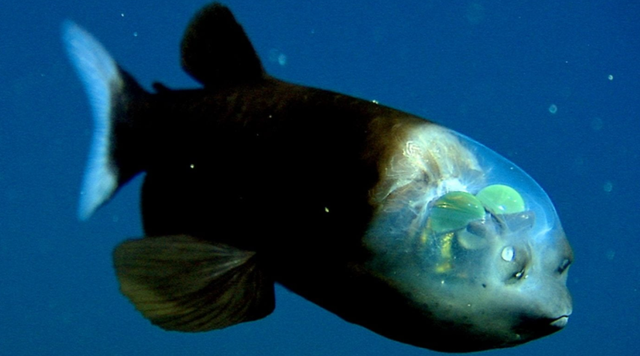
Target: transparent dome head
{"type": "Point", "coordinates": [468, 236]}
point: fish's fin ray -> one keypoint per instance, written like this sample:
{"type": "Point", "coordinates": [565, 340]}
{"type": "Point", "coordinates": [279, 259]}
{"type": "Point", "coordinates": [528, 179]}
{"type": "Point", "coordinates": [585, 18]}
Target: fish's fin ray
{"type": "Point", "coordinates": [112, 94]}
{"type": "Point", "coordinates": [186, 284]}
{"type": "Point", "coordinates": [217, 52]}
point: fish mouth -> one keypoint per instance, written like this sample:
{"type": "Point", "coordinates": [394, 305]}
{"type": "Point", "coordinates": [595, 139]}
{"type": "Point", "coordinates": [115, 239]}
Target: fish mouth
{"type": "Point", "coordinates": [560, 322]}
{"type": "Point", "coordinates": [538, 328]}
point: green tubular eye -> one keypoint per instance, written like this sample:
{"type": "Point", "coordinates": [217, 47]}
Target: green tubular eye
{"type": "Point", "coordinates": [454, 211]}
{"type": "Point", "coordinates": [501, 199]}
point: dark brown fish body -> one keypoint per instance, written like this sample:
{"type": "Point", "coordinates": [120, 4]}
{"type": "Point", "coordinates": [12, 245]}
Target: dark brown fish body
{"type": "Point", "coordinates": [319, 213]}
{"type": "Point", "coordinates": [386, 219]}
{"type": "Point", "coordinates": [259, 136]}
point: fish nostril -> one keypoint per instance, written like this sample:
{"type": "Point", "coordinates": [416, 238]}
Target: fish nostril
{"type": "Point", "coordinates": [564, 265]}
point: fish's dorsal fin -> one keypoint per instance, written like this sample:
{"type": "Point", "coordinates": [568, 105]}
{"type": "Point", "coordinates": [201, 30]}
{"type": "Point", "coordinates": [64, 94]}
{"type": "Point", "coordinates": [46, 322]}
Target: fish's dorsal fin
{"type": "Point", "coordinates": [217, 52]}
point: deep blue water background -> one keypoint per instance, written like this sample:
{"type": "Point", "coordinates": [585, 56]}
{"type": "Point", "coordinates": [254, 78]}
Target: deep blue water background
{"type": "Point", "coordinates": [488, 69]}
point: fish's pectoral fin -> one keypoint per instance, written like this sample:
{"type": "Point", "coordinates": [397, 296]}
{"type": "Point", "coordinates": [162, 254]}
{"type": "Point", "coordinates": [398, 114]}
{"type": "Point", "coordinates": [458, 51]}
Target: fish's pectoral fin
{"type": "Point", "coordinates": [217, 52]}
{"type": "Point", "coordinates": [186, 284]}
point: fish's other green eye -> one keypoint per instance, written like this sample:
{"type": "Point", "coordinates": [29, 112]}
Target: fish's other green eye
{"type": "Point", "coordinates": [454, 211]}
{"type": "Point", "coordinates": [501, 199]}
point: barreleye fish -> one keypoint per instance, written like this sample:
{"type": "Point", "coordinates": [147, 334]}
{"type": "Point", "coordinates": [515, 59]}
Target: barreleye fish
{"type": "Point", "coordinates": [388, 220]}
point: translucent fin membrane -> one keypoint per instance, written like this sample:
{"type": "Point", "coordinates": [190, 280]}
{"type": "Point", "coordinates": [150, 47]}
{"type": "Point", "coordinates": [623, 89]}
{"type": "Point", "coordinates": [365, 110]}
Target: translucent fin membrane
{"type": "Point", "coordinates": [101, 78]}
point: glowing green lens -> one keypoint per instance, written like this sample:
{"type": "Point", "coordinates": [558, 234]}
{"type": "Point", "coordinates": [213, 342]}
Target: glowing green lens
{"type": "Point", "coordinates": [454, 211]}
{"type": "Point", "coordinates": [501, 199]}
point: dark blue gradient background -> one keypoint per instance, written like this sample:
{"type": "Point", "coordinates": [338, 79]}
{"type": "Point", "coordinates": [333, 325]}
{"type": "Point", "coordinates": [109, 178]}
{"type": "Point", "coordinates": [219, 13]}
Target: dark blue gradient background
{"type": "Point", "coordinates": [488, 69]}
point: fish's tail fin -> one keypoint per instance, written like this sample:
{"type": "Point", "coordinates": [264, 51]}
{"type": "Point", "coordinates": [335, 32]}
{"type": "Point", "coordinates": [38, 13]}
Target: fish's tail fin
{"type": "Point", "coordinates": [117, 103]}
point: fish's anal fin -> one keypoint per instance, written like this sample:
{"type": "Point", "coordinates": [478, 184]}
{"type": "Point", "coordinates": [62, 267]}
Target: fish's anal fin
{"type": "Point", "coordinates": [186, 284]}
{"type": "Point", "coordinates": [217, 52]}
